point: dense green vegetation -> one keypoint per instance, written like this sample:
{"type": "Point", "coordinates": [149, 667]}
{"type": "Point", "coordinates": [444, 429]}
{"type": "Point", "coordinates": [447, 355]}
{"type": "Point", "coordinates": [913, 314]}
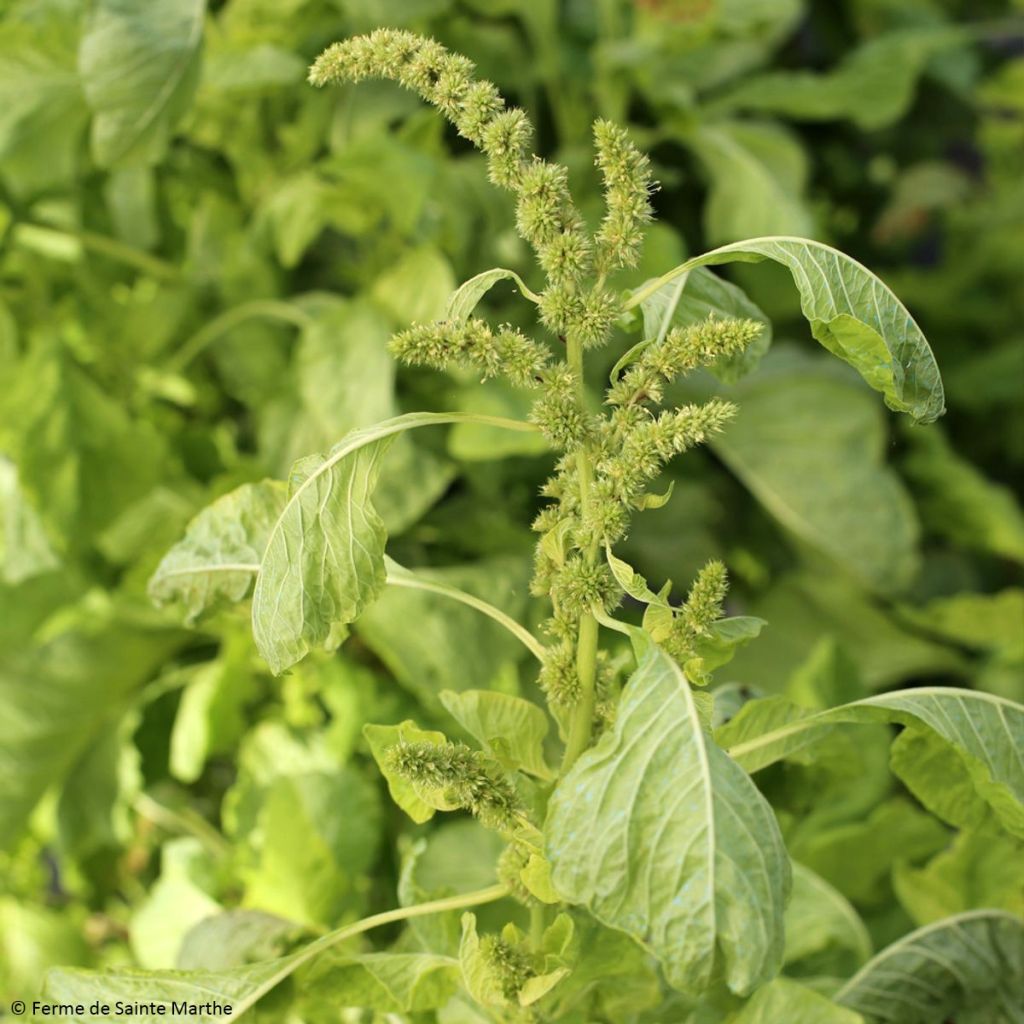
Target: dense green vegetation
{"type": "Point", "coordinates": [202, 262]}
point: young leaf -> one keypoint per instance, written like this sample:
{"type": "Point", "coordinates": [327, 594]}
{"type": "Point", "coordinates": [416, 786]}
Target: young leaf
{"type": "Point", "coordinates": [509, 728]}
{"type": "Point", "coordinates": [658, 833]}
{"type": "Point", "coordinates": [419, 807]}
{"type": "Point", "coordinates": [220, 554]}
{"type": "Point", "coordinates": [986, 731]}
{"type": "Point", "coordinates": [465, 298]}
{"type": "Point", "coordinates": [139, 68]}
{"type": "Point", "coordinates": [969, 967]}
{"type": "Point", "coordinates": [850, 311]}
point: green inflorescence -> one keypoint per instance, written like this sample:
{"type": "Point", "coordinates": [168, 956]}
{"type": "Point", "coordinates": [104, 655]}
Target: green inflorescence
{"type": "Point", "coordinates": [607, 457]}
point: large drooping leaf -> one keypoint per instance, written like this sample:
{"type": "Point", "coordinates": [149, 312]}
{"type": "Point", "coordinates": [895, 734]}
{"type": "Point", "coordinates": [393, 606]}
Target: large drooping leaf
{"type": "Point", "coordinates": [658, 833]}
{"type": "Point", "coordinates": [139, 65]}
{"type": "Point", "coordinates": [851, 312]}
{"type": "Point", "coordinates": [810, 443]}
{"type": "Point", "coordinates": [969, 968]}
{"type": "Point", "coordinates": [873, 86]}
{"type": "Point", "coordinates": [220, 554]}
{"type": "Point", "coordinates": [986, 731]}
{"type": "Point", "coordinates": [324, 560]}
{"type": "Point", "coordinates": [757, 173]}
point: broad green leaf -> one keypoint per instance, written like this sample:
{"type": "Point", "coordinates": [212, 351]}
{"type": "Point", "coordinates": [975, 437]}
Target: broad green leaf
{"type": "Point", "coordinates": [811, 604]}
{"type": "Point", "coordinates": [751, 194]}
{"type": "Point", "coordinates": [210, 716]}
{"type": "Point", "coordinates": [317, 836]}
{"type": "Point", "coordinates": [235, 938]}
{"type": "Point", "coordinates": [416, 289]}
{"type": "Point", "coordinates": [35, 937]}
{"type": "Point", "coordinates": [873, 86]}
{"type": "Point", "coordinates": [324, 560]}
{"type": "Point", "coordinates": [390, 983]}
{"type": "Point", "coordinates": [986, 731]}
{"type": "Point", "coordinates": [785, 1000]}
{"type": "Point", "coordinates": [657, 832]}
{"type": "Point", "coordinates": [25, 550]}
{"type": "Point", "coordinates": [979, 869]}
{"type": "Point", "coordinates": [985, 622]}
{"type": "Point", "coordinates": [693, 297]}
{"type": "Point", "coordinates": [820, 918]}
{"type": "Point", "coordinates": [58, 695]}
{"type": "Point", "coordinates": [959, 502]}
{"type": "Point", "coordinates": [969, 967]}
{"type": "Point", "coordinates": [466, 297]}
{"type": "Point", "coordinates": [850, 311]}
{"type": "Point", "coordinates": [179, 899]}
{"type": "Point", "coordinates": [509, 728]}
{"type": "Point", "coordinates": [419, 807]}
{"type": "Point", "coordinates": [810, 444]}
{"type": "Point", "coordinates": [139, 65]}
{"type": "Point", "coordinates": [220, 554]}
{"type": "Point", "coordinates": [453, 646]}
{"type": "Point", "coordinates": [42, 109]}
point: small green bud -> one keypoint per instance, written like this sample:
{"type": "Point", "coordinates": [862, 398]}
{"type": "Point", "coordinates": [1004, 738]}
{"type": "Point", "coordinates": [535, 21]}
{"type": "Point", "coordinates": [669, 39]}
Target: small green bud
{"type": "Point", "coordinates": [558, 413]}
{"type": "Point", "coordinates": [558, 678]}
{"type": "Point", "coordinates": [509, 871]}
{"type": "Point", "coordinates": [511, 966]}
{"type": "Point", "coordinates": [579, 586]}
{"type": "Point", "coordinates": [505, 139]}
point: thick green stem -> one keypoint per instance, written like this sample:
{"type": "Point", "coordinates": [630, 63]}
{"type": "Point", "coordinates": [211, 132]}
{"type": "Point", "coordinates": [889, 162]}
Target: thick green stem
{"type": "Point", "coordinates": [586, 643]}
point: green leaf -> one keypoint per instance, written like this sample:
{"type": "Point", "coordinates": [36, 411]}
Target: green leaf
{"type": "Point", "coordinates": [509, 728]}
{"type": "Point", "coordinates": [959, 502]}
{"type": "Point", "coordinates": [403, 792]}
{"type": "Point", "coordinates": [985, 622]}
{"type": "Point", "coordinates": [694, 297]}
{"type": "Point", "coordinates": [42, 109]}
{"type": "Point", "coordinates": [479, 977]}
{"type": "Point", "coordinates": [785, 1000]}
{"type": "Point", "coordinates": [220, 554]}
{"type": "Point", "coordinates": [179, 900]}
{"type": "Point", "coordinates": [757, 175]}
{"type": "Point", "coordinates": [979, 869]}
{"type": "Point", "coordinates": [25, 550]}
{"type": "Point", "coordinates": [316, 838]}
{"type": "Point", "coordinates": [416, 288]}
{"type": "Point", "coordinates": [235, 938]}
{"type": "Point", "coordinates": [139, 66]}
{"type": "Point", "coordinates": [657, 832]}
{"type": "Point", "coordinates": [819, 918]}
{"type": "Point", "coordinates": [986, 731]}
{"type": "Point", "coordinates": [810, 444]}
{"type": "Point", "coordinates": [386, 982]}
{"type": "Point", "coordinates": [59, 694]}
{"type": "Point", "coordinates": [466, 297]}
{"type": "Point", "coordinates": [452, 647]}
{"type": "Point", "coordinates": [873, 86]}
{"type": "Point", "coordinates": [324, 560]}
{"type": "Point", "coordinates": [850, 311]}
{"type": "Point", "coordinates": [969, 967]}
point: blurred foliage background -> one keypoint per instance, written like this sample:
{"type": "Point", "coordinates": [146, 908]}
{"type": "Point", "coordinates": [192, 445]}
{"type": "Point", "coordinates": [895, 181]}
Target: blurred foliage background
{"type": "Point", "coordinates": [201, 260]}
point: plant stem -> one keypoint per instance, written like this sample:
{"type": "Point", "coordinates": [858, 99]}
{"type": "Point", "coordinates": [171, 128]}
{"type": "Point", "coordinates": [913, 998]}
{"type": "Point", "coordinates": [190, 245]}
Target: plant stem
{"type": "Point", "coordinates": [265, 308]}
{"type": "Point", "coordinates": [538, 921]}
{"type": "Point", "coordinates": [586, 643]}
{"type": "Point", "coordinates": [292, 963]}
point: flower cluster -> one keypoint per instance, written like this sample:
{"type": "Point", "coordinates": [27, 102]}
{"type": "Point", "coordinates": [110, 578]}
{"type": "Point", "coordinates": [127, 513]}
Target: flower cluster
{"type": "Point", "coordinates": [702, 609]}
{"type": "Point", "coordinates": [510, 966]}
{"type": "Point", "coordinates": [473, 343]}
{"type": "Point", "coordinates": [462, 776]}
